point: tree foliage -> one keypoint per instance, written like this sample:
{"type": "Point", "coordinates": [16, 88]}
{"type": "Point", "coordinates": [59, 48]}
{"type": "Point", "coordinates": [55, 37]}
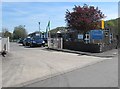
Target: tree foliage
{"type": "Point", "coordinates": [119, 26]}
{"type": "Point", "coordinates": [6, 33]}
{"type": "Point", "coordinates": [54, 32]}
{"type": "Point", "coordinates": [19, 32]}
{"type": "Point", "coordinates": [84, 18]}
{"type": "Point", "coordinates": [113, 25]}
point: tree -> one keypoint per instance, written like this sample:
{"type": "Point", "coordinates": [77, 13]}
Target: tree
{"type": "Point", "coordinates": [54, 32]}
{"type": "Point", "coordinates": [19, 32]}
{"type": "Point", "coordinates": [112, 25]}
{"type": "Point", "coordinates": [84, 18]}
{"type": "Point", "coordinates": [6, 33]}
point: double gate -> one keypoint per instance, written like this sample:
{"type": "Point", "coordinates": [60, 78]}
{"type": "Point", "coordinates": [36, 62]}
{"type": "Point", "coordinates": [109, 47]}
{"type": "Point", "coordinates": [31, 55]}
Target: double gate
{"type": "Point", "coordinates": [4, 44]}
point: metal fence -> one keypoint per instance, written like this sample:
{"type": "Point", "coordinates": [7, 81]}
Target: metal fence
{"type": "Point", "coordinates": [4, 44]}
{"type": "Point", "coordinates": [55, 43]}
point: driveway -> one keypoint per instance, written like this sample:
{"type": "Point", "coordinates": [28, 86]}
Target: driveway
{"type": "Point", "coordinates": [24, 65]}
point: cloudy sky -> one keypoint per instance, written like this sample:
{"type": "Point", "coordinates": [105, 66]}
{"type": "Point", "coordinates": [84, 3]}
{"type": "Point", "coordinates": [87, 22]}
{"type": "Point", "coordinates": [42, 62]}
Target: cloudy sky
{"type": "Point", "coordinates": [30, 13]}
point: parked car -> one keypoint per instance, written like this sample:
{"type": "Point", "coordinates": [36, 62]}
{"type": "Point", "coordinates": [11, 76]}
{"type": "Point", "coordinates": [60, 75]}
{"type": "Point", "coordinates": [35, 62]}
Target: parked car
{"type": "Point", "coordinates": [37, 41]}
{"type": "Point", "coordinates": [20, 41]}
{"type": "Point", "coordinates": [45, 39]}
{"type": "Point", "coordinates": [26, 41]}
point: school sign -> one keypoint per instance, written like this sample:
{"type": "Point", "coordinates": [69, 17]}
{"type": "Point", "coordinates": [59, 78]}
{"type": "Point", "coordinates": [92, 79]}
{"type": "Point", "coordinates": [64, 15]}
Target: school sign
{"type": "Point", "coordinates": [96, 34]}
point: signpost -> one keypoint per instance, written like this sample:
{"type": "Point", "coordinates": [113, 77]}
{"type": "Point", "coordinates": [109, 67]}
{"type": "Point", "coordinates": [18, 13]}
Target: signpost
{"type": "Point", "coordinates": [96, 34]}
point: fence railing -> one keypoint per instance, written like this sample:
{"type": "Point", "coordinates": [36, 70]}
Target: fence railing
{"type": "Point", "coordinates": [55, 43]}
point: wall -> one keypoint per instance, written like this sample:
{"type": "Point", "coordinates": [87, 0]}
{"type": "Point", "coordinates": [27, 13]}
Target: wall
{"type": "Point", "coordinates": [80, 46]}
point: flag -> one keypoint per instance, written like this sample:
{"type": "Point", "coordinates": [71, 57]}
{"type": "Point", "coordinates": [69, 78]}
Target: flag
{"type": "Point", "coordinates": [49, 25]}
{"type": "Point", "coordinates": [48, 28]}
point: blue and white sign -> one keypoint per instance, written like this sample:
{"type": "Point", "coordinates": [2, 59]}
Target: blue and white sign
{"type": "Point", "coordinates": [96, 34]}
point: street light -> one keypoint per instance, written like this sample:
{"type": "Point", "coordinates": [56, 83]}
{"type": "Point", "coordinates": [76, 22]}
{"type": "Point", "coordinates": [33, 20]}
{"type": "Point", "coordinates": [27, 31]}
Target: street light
{"type": "Point", "coordinates": [39, 28]}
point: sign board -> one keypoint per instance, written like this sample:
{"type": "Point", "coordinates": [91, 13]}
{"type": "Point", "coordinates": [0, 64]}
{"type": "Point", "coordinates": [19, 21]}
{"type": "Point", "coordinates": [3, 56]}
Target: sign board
{"type": "Point", "coordinates": [80, 36]}
{"type": "Point", "coordinates": [96, 34]}
{"type": "Point", "coordinates": [102, 24]}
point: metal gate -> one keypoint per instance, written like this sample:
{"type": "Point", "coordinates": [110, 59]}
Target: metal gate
{"type": "Point", "coordinates": [55, 43]}
{"type": "Point", "coordinates": [4, 44]}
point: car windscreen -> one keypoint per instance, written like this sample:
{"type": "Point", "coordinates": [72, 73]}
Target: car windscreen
{"type": "Point", "coordinates": [36, 38]}
{"type": "Point", "coordinates": [28, 39]}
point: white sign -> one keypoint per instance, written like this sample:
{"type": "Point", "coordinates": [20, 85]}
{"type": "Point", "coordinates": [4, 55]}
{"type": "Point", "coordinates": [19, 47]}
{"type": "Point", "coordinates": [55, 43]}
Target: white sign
{"type": "Point", "coordinates": [80, 36]}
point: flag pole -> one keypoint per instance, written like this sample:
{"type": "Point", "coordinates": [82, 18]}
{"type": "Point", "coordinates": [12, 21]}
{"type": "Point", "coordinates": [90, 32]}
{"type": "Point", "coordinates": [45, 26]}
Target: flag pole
{"type": "Point", "coordinates": [49, 29]}
{"type": "Point", "coordinates": [48, 34]}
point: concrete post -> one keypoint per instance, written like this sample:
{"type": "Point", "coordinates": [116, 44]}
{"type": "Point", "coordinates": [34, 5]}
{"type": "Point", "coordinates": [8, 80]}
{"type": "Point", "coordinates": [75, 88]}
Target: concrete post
{"type": "Point", "coordinates": [8, 45]}
{"type": "Point", "coordinates": [0, 44]}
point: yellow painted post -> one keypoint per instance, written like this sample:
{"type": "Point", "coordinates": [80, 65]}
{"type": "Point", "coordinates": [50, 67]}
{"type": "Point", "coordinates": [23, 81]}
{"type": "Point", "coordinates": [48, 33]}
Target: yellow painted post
{"type": "Point", "coordinates": [102, 24]}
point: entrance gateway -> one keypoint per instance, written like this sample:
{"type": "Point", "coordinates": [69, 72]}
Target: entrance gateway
{"type": "Point", "coordinates": [93, 41]}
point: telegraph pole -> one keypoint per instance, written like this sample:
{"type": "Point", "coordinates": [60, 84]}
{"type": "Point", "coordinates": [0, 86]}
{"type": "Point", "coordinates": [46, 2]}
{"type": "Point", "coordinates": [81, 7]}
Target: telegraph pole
{"type": "Point", "coordinates": [39, 29]}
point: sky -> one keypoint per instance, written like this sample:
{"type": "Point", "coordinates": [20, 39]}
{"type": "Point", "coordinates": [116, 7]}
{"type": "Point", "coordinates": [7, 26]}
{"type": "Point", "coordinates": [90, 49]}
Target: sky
{"type": "Point", "coordinates": [30, 13]}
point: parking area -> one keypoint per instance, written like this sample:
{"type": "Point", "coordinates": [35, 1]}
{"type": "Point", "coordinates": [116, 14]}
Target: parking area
{"type": "Point", "coordinates": [25, 65]}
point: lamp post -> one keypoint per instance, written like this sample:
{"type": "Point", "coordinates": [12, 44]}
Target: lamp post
{"type": "Point", "coordinates": [25, 30]}
{"type": "Point", "coordinates": [39, 28]}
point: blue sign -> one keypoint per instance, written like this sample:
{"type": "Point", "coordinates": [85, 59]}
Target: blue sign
{"type": "Point", "coordinates": [96, 34]}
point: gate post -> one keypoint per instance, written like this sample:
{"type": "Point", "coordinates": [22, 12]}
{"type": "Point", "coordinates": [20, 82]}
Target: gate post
{"type": "Point", "coordinates": [61, 43]}
{"type": "Point", "coordinates": [48, 42]}
{"type": "Point", "coordinates": [8, 45]}
{"type": "Point", "coordinates": [0, 44]}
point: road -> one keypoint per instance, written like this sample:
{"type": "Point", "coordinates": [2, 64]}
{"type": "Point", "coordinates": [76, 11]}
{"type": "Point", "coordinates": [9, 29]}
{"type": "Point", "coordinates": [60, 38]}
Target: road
{"type": "Point", "coordinates": [39, 67]}
{"type": "Point", "coordinates": [103, 74]}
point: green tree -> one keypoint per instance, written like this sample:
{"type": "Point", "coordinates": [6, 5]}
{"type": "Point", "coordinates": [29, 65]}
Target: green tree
{"type": "Point", "coordinates": [6, 33]}
{"type": "Point", "coordinates": [113, 25]}
{"type": "Point", "coordinates": [55, 31]}
{"type": "Point", "coordinates": [19, 32]}
{"type": "Point", "coordinates": [110, 24]}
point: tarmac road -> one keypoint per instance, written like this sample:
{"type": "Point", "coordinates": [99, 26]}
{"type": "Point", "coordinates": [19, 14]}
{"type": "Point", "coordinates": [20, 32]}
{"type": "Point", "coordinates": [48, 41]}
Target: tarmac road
{"type": "Point", "coordinates": [38, 67]}
{"type": "Point", "coordinates": [103, 74]}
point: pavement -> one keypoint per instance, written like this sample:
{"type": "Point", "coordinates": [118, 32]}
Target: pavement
{"type": "Point", "coordinates": [25, 66]}
{"type": "Point", "coordinates": [109, 53]}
